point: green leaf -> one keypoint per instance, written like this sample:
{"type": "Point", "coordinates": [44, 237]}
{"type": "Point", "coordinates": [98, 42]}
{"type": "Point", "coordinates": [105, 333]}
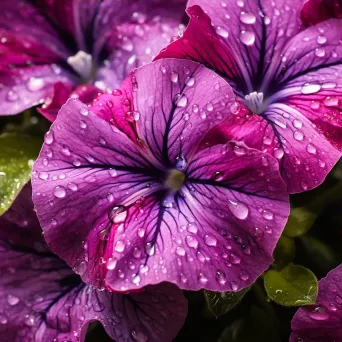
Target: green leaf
{"type": "Point", "coordinates": [299, 222]}
{"type": "Point", "coordinates": [284, 252]}
{"type": "Point", "coordinates": [219, 303]}
{"type": "Point", "coordinates": [17, 154]}
{"type": "Point", "coordinates": [321, 254]}
{"type": "Point", "coordinates": [292, 286]}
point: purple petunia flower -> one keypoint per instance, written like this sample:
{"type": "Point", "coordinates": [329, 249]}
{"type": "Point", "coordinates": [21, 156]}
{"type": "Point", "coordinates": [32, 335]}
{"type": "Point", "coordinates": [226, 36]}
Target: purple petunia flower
{"type": "Point", "coordinates": [51, 49]}
{"type": "Point", "coordinates": [43, 300]}
{"type": "Point", "coordinates": [128, 195]}
{"type": "Point", "coordinates": [288, 80]}
{"type": "Point", "coordinates": [321, 322]}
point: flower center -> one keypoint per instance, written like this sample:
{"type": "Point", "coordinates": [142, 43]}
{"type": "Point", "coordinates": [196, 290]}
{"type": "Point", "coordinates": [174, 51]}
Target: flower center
{"type": "Point", "coordinates": [255, 102]}
{"type": "Point", "coordinates": [175, 180]}
{"type": "Point", "coordinates": [83, 64]}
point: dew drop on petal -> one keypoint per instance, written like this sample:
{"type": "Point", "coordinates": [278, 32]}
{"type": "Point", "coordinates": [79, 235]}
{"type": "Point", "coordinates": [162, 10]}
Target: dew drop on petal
{"type": "Point", "coordinates": [59, 192]}
{"type": "Point", "coordinates": [247, 18]}
{"type": "Point", "coordinates": [191, 241]}
{"type": "Point", "coordinates": [120, 246]}
{"type": "Point", "coordinates": [311, 149]}
{"type": "Point", "coordinates": [180, 251]}
{"type": "Point", "coordinates": [72, 186]}
{"type": "Point", "coordinates": [84, 111]}
{"type": "Point", "coordinates": [308, 88]}
{"type": "Point", "coordinates": [222, 32]}
{"type": "Point", "coordinates": [298, 135]}
{"type": "Point", "coordinates": [48, 137]}
{"type": "Point", "coordinates": [221, 277]}
{"type": "Point", "coordinates": [174, 77]}
{"type": "Point", "coordinates": [238, 209]}
{"type": "Point", "coordinates": [247, 37]}
{"type": "Point", "coordinates": [181, 101]}
{"type": "Point", "coordinates": [210, 240]}
{"type": "Point", "coordinates": [319, 314]}
{"type": "Point", "coordinates": [278, 153]}
{"type": "Point", "coordinates": [111, 264]}
{"type": "Point", "coordinates": [267, 214]}
{"type": "Point", "coordinates": [12, 300]}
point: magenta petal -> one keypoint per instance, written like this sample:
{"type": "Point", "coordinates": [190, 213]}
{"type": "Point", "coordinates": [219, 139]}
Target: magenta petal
{"type": "Point", "coordinates": [323, 321]}
{"type": "Point", "coordinates": [25, 87]}
{"type": "Point", "coordinates": [316, 11]}
{"type": "Point", "coordinates": [42, 300]}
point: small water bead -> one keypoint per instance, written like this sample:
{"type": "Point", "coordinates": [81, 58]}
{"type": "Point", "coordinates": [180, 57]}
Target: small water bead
{"type": "Point", "coordinates": [297, 124]}
{"type": "Point", "coordinates": [181, 100]}
{"type": "Point", "coordinates": [149, 248]}
{"type": "Point", "coordinates": [298, 135]}
{"type": "Point", "coordinates": [12, 300]}
{"type": "Point", "coordinates": [202, 278]}
{"type": "Point", "coordinates": [59, 192]}
{"type": "Point", "coordinates": [192, 228]}
{"type": "Point", "coordinates": [118, 214]}
{"type": "Point", "coordinates": [35, 84]}
{"type": "Point", "coordinates": [189, 81]}
{"type": "Point", "coordinates": [311, 149]}
{"type": "Point", "coordinates": [240, 3]}
{"type": "Point", "coordinates": [234, 259]}
{"type": "Point", "coordinates": [321, 40]}
{"type": "Point", "coordinates": [321, 163]}
{"type": "Point", "coordinates": [180, 251]}
{"type": "Point", "coordinates": [210, 240]}
{"type": "Point", "coordinates": [119, 246]}
{"type": "Point", "coordinates": [12, 96]}
{"type": "Point", "coordinates": [308, 88]}
{"type": "Point", "coordinates": [136, 279]}
{"type": "Point", "coordinates": [210, 107]}
{"type": "Point", "coordinates": [222, 32]}
{"type": "Point", "coordinates": [247, 18]}
{"type": "Point", "coordinates": [174, 77]}
{"type": "Point", "coordinates": [111, 264]}
{"type": "Point", "coordinates": [247, 37]}
{"type": "Point", "coordinates": [84, 111]}
{"type": "Point", "coordinates": [244, 276]}
{"type": "Point", "coordinates": [141, 232]}
{"type": "Point", "coordinates": [72, 186]}
{"type": "Point", "coordinates": [238, 209]}
{"type": "Point", "coordinates": [76, 163]}
{"type": "Point", "coordinates": [267, 215]}
{"type": "Point", "coordinates": [319, 314]}
{"type": "Point", "coordinates": [191, 241]}
{"type": "Point", "coordinates": [48, 137]}
{"type": "Point", "coordinates": [233, 285]}
{"type": "Point", "coordinates": [29, 320]}
{"type": "Point", "coordinates": [43, 175]}
{"type": "Point", "coordinates": [221, 277]}
{"type": "Point", "coordinates": [65, 150]}
{"type": "Point", "coordinates": [195, 108]}
{"type": "Point", "coordinates": [3, 319]}
{"type": "Point", "coordinates": [278, 153]}
{"type": "Point", "coordinates": [320, 52]}
{"type": "Point", "coordinates": [332, 307]}
{"type": "Point", "coordinates": [331, 101]}
{"type": "Point", "coordinates": [83, 124]}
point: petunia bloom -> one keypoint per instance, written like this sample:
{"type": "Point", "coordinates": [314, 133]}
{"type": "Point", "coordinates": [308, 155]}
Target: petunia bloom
{"type": "Point", "coordinates": [43, 300]}
{"type": "Point", "coordinates": [288, 80]}
{"type": "Point", "coordinates": [316, 11]}
{"type": "Point", "coordinates": [321, 322]}
{"type": "Point", "coordinates": [50, 50]}
{"type": "Point", "coordinates": [128, 196]}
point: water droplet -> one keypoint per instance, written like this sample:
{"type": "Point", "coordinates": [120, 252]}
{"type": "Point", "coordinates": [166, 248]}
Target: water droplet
{"type": "Point", "coordinates": [320, 52]}
{"type": "Point", "coordinates": [72, 186]}
{"type": "Point", "coordinates": [331, 101]}
{"type": "Point", "coordinates": [191, 241]}
{"type": "Point", "coordinates": [238, 209]}
{"type": "Point", "coordinates": [210, 107]}
{"type": "Point", "coordinates": [247, 37]}
{"type": "Point", "coordinates": [321, 40]}
{"type": "Point", "coordinates": [189, 81]}
{"type": "Point", "coordinates": [149, 248]}
{"type": "Point", "coordinates": [139, 336]}
{"type": "Point", "coordinates": [120, 246]}
{"type": "Point", "coordinates": [180, 251]}
{"type": "Point", "coordinates": [141, 232]}
{"type": "Point", "coordinates": [247, 18]}
{"type": "Point", "coordinates": [308, 88]}
{"type": "Point", "coordinates": [59, 192]}
{"type": "Point", "coordinates": [267, 215]}
{"type": "Point", "coordinates": [234, 259]}
{"type": "Point", "coordinates": [136, 279]}
{"type": "Point", "coordinates": [12, 96]}
{"type": "Point", "coordinates": [298, 135]}
{"type": "Point", "coordinates": [43, 175]}
{"type": "Point", "coordinates": [233, 285]}
{"type": "Point", "coordinates": [118, 214]}
{"type": "Point", "coordinates": [29, 320]}
{"type": "Point", "coordinates": [278, 153]}
{"type": "Point", "coordinates": [319, 314]}
{"type": "Point", "coordinates": [221, 277]}
{"type": "Point", "coordinates": [311, 149]}
{"type": "Point", "coordinates": [174, 77]}
{"type": "Point", "coordinates": [12, 300]}
{"type": "Point", "coordinates": [210, 240]}
{"type": "Point", "coordinates": [84, 111]}
{"type": "Point", "coordinates": [111, 264]}
{"type": "Point", "coordinates": [83, 124]}
{"type": "Point", "coordinates": [3, 319]}
{"type": "Point", "coordinates": [35, 84]}
{"type": "Point", "coordinates": [222, 32]}
{"type": "Point", "coordinates": [48, 138]}
{"type": "Point", "coordinates": [181, 101]}
{"type": "Point", "coordinates": [202, 278]}
{"type": "Point", "coordinates": [297, 124]}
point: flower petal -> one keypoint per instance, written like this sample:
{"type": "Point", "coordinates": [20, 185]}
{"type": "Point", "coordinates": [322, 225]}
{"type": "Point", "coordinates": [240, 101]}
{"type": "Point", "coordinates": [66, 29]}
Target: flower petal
{"type": "Point", "coordinates": [86, 165]}
{"type": "Point", "coordinates": [246, 35]}
{"type": "Point", "coordinates": [178, 102]}
{"type": "Point", "coordinates": [219, 233]}
{"type": "Point", "coordinates": [321, 322]}
{"type": "Point", "coordinates": [316, 11]}
{"type": "Point", "coordinates": [41, 299]}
